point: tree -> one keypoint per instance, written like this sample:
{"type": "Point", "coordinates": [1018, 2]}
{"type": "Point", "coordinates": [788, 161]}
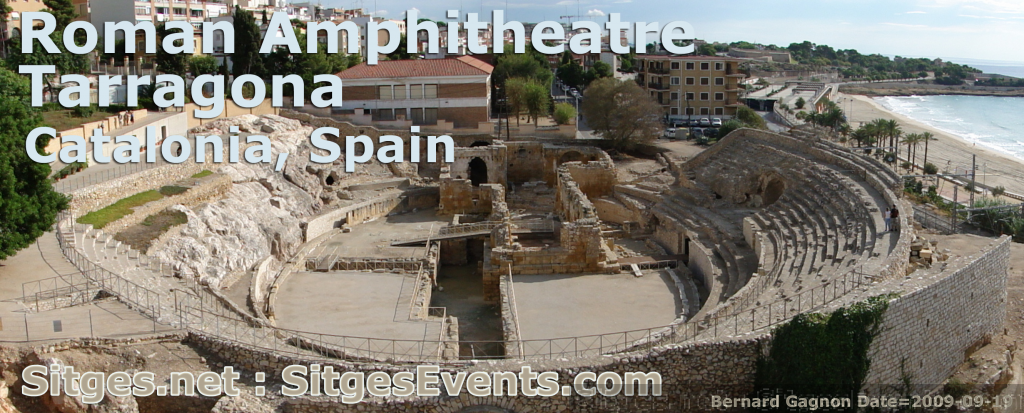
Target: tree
{"type": "Point", "coordinates": [622, 112]}
{"type": "Point", "coordinates": [564, 113]}
{"type": "Point", "coordinates": [65, 62]}
{"type": "Point", "coordinates": [63, 11]}
{"type": "Point", "coordinates": [173, 63]}
{"type": "Point", "coordinates": [750, 118]}
{"type": "Point", "coordinates": [800, 103]}
{"type": "Point", "coordinates": [524, 65]}
{"type": "Point", "coordinates": [707, 50]}
{"type": "Point", "coordinates": [599, 70]}
{"type": "Point", "coordinates": [527, 96]}
{"type": "Point", "coordinates": [202, 65]}
{"type": "Point", "coordinates": [28, 203]}
{"type": "Point", "coordinates": [927, 136]}
{"type": "Point", "coordinates": [402, 52]}
{"type": "Point", "coordinates": [247, 59]}
{"type": "Point", "coordinates": [729, 126]}
{"type": "Point", "coordinates": [572, 74]}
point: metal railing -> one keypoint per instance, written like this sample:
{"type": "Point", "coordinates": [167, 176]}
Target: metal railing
{"type": "Point", "coordinates": [86, 178]}
{"type": "Point", "coordinates": [59, 292]}
{"type": "Point", "coordinates": [510, 293]}
{"type": "Point", "coordinates": [135, 296]}
{"type": "Point", "coordinates": [933, 221]}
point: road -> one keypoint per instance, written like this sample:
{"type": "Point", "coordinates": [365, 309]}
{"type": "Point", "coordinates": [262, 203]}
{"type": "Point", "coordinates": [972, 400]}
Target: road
{"type": "Point", "coordinates": [583, 131]}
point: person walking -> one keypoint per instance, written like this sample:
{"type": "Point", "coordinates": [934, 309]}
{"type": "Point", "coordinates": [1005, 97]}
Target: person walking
{"type": "Point", "coordinates": [888, 219]}
{"type": "Point", "coordinates": [895, 219]}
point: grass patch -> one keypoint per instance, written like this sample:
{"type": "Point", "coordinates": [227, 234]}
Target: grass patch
{"type": "Point", "coordinates": [141, 236]}
{"type": "Point", "coordinates": [203, 174]}
{"type": "Point", "coordinates": [172, 190]}
{"type": "Point", "coordinates": [121, 208]}
{"type": "Point", "coordinates": [62, 120]}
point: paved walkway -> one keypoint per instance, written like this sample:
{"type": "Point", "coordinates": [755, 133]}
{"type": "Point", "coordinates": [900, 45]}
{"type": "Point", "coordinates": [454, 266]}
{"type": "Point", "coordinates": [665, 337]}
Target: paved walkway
{"type": "Point", "coordinates": [42, 260]}
{"type": "Point", "coordinates": [103, 172]}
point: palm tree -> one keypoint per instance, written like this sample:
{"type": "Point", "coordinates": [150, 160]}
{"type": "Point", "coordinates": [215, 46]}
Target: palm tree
{"type": "Point", "coordinates": [911, 141]}
{"type": "Point", "coordinates": [927, 136]}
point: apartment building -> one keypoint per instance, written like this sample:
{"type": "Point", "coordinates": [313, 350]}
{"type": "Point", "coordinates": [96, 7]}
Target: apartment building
{"type": "Point", "coordinates": [692, 86]}
{"type": "Point", "coordinates": [11, 27]}
{"type": "Point", "coordinates": [425, 91]}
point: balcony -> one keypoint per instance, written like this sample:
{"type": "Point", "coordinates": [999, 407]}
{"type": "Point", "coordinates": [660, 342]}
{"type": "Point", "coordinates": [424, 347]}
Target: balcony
{"type": "Point", "coordinates": [658, 70]}
{"type": "Point", "coordinates": [657, 86]}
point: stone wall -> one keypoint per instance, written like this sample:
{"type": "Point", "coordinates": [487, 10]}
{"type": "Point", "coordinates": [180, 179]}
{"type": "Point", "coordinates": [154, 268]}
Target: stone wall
{"type": "Point", "coordinates": [596, 179]}
{"type": "Point", "coordinates": [930, 327]}
{"type": "Point", "coordinates": [690, 372]}
{"type": "Point", "coordinates": [611, 210]}
{"type": "Point", "coordinates": [494, 156]}
{"type": "Point", "coordinates": [97, 196]}
{"type": "Point", "coordinates": [459, 196]}
{"type": "Point", "coordinates": [380, 206]}
{"type": "Point", "coordinates": [570, 201]}
{"type": "Point", "coordinates": [210, 188]}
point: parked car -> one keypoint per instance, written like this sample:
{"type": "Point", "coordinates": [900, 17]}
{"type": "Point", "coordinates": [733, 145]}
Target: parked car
{"type": "Point", "coordinates": [696, 133]}
{"type": "Point", "coordinates": [705, 122]}
{"type": "Point", "coordinates": [670, 133]}
{"type": "Point", "coordinates": [711, 133]}
{"type": "Point", "coordinates": [564, 88]}
{"type": "Point", "coordinates": [694, 123]}
{"type": "Point", "coordinates": [716, 122]}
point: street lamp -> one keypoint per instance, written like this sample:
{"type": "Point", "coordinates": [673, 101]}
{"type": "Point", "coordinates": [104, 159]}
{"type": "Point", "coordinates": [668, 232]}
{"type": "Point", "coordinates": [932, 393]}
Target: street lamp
{"type": "Point", "coordinates": [578, 115]}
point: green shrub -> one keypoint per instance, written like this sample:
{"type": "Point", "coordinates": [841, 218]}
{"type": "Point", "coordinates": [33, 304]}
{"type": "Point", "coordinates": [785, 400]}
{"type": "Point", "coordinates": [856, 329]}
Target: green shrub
{"type": "Point", "coordinates": [202, 174]}
{"type": "Point", "coordinates": [564, 113]}
{"type": "Point", "coordinates": [83, 111]}
{"type": "Point", "coordinates": [172, 190]}
{"type": "Point", "coordinates": [930, 169]}
{"type": "Point", "coordinates": [51, 107]}
{"type": "Point", "coordinates": [998, 191]}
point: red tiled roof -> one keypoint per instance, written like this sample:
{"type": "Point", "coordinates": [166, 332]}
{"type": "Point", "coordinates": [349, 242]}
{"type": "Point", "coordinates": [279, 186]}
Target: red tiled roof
{"type": "Point", "coordinates": [461, 66]}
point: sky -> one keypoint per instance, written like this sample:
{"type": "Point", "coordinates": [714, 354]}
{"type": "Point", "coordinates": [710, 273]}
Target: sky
{"type": "Point", "coordinates": [975, 30]}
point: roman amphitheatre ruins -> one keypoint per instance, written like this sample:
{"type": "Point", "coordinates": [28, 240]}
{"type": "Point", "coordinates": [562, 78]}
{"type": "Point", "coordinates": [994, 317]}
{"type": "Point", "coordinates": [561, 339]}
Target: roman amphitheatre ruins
{"type": "Point", "coordinates": [542, 252]}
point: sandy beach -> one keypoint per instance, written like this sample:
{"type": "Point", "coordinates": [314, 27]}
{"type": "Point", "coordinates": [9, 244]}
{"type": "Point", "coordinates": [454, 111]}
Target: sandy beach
{"type": "Point", "coordinates": [949, 152]}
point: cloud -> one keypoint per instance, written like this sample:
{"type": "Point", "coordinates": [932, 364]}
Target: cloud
{"type": "Point", "coordinates": [379, 13]}
{"type": "Point", "coordinates": [992, 6]}
{"type": "Point", "coordinates": [405, 13]}
{"type": "Point", "coordinates": [916, 12]}
{"type": "Point", "coordinates": [909, 26]}
{"type": "Point", "coordinates": [594, 13]}
{"type": "Point", "coordinates": [623, 1]}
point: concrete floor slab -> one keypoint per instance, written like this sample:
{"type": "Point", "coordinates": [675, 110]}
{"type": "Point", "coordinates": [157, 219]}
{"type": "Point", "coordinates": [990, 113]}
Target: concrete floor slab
{"type": "Point", "coordinates": [373, 239]}
{"type": "Point", "coordinates": [553, 306]}
{"type": "Point", "coordinates": [350, 303]}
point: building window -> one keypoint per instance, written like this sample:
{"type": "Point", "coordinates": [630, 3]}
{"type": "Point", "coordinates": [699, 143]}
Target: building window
{"type": "Point", "coordinates": [415, 91]}
{"type": "Point", "coordinates": [382, 114]}
{"type": "Point", "coordinates": [675, 65]}
{"type": "Point", "coordinates": [674, 80]}
{"type": "Point", "coordinates": [689, 96]}
{"type": "Point", "coordinates": [705, 111]}
{"type": "Point", "coordinates": [689, 111]}
{"type": "Point", "coordinates": [675, 95]}
{"type": "Point", "coordinates": [719, 96]}
{"type": "Point", "coordinates": [385, 93]}
{"type": "Point", "coordinates": [704, 95]}
{"type": "Point", "coordinates": [179, 11]}
{"type": "Point", "coordinates": [719, 111]}
{"type": "Point", "coordinates": [675, 111]}
{"type": "Point", "coordinates": [142, 11]}
{"type": "Point", "coordinates": [705, 66]}
{"type": "Point", "coordinates": [719, 66]}
{"type": "Point", "coordinates": [430, 91]}
{"type": "Point", "coordinates": [719, 81]}
{"type": "Point", "coordinates": [690, 81]}
{"type": "Point", "coordinates": [426, 116]}
{"type": "Point", "coordinates": [704, 81]}
{"type": "Point", "coordinates": [689, 65]}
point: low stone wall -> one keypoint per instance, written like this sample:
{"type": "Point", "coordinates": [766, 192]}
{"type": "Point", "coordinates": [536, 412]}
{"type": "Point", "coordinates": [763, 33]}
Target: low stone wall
{"type": "Point", "coordinates": [97, 196]}
{"type": "Point", "coordinates": [259, 284]}
{"type": "Point", "coordinates": [690, 373]}
{"type": "Point", "coordinates": [373, 208]}
{"type": "Point", "coordinates": [611, 210]}
{"type": "Point", "coordinates": [459, 196]}
{"type": "Point", "coordinates": [212, 188]}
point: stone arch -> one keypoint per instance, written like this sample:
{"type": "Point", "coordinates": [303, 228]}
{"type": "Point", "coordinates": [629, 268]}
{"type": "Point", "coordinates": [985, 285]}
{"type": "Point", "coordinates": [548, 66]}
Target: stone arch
{"type": "Point", "coordinates": [572, 156]}
{"type": "Point", "coordinates": [477, 171]}
{"type": "Point", "coordinates": [479, 143]}
{"type": "Point", "coordinates": [772, 188]}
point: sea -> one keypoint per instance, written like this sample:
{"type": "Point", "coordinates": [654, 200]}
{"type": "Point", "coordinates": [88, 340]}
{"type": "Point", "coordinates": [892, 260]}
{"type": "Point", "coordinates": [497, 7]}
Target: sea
{"type": "Point", "coordinates": [990, 121]}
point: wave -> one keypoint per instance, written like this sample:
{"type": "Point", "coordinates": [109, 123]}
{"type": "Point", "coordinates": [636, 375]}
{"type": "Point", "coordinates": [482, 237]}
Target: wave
{"type": "Point", "coordinates": [993, 122]}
